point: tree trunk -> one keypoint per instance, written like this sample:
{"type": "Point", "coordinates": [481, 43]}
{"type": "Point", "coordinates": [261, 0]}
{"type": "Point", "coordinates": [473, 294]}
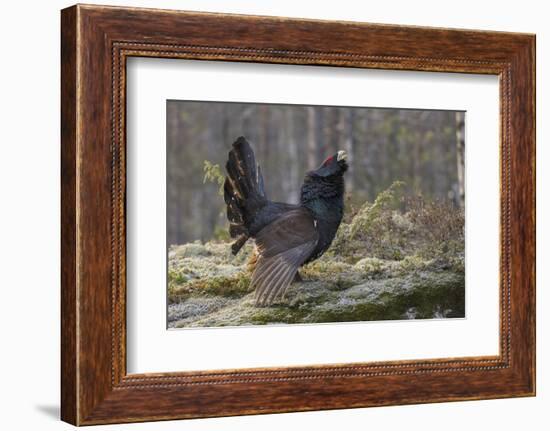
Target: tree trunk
{"type": "Point", "coordinates": [460, 156]}
{"type": "Point", "coordinates": [311, 138]}
{"type": "Point", "coordinates": [293, 182]}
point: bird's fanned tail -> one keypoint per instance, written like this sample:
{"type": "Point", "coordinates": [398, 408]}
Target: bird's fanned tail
{"type": "Point", "coordinates": [244, 192]}
{"type": "Point", "coordinates": [273, 275]}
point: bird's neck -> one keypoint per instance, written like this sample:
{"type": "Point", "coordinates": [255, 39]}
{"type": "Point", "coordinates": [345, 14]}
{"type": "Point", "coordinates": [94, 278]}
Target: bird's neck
{"type": "Point", "coordinates": [324, 197]}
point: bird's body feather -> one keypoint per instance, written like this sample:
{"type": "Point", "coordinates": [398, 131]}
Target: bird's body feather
{"type": "Point", "coordinates": [283, 246]}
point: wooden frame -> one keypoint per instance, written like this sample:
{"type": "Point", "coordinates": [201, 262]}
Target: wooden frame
{"type": "Point", "coordinates": [96, 41]}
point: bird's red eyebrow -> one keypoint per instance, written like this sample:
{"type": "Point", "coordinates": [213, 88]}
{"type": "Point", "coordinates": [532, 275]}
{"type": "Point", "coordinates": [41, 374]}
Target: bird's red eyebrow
{"type": "Point", "coordinates": [328, 159]}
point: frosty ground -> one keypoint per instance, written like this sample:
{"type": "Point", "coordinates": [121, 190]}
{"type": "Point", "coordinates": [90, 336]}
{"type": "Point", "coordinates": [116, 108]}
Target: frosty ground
{"type": "Point", "coordinates": [395, 258]}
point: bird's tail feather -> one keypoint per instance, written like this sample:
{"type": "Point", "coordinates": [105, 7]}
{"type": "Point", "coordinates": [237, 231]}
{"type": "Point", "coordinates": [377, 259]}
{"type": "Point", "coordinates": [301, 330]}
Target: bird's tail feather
{"type": "Point", "coordinates": [244, 192]}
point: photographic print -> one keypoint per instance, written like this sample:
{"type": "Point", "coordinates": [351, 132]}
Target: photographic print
{"type": "Point", "coordinates": [291, 214]}
{"type": "Point", "coordinates": [266, 212]}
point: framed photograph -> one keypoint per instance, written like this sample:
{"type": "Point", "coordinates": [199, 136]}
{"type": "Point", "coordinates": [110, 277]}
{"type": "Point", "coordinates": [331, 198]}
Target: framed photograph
{"type": "Point", "coordinates": [265, 214]}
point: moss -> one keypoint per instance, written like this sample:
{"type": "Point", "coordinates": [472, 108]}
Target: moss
{"type": "Point", "coordinates": [277, 314]}
{"type": "Point", "coordinates": [428, 297]}
{"type": "Point", "coordinates": [420, 295]}
{"type": "Point", "coordinates": [175, 277]}
{"type": "Point", "coordinates": [411, 264]}
{"type": "Point", "coordinates": [369, 215]}
{"type": "Point", "coordinates": [370, 265]}
{"type": "Point", "coordinates": [233, 286]}
{"type": "Point", "coordinates": [353, 313]}
{"type": "Point", "coordinates": [392, 259]}
{"type": "Point", "coordinates": [323, 268]}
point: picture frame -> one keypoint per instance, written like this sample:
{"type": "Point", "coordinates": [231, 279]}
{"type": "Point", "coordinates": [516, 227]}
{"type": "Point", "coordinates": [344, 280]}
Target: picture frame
{"type": "Point", "coordinates": [96, 42]}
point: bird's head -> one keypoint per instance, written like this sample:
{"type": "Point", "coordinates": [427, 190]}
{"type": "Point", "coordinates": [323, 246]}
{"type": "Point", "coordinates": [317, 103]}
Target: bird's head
{"type": "Point", "coordinates": [334, 165]}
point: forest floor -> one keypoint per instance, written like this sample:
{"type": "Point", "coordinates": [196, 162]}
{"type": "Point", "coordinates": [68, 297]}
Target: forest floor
{"type": "Point", "coordinates": [395, 258]}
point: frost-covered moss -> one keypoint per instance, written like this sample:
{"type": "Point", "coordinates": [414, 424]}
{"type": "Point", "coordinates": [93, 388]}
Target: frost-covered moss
{"type": "Point", "coordinates": [418, 296]}
{"type": "Point", "coordinates": [392, 260]}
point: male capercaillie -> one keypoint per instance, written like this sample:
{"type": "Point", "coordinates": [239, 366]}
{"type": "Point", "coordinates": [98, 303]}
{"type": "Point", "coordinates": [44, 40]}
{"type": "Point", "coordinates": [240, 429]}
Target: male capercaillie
{"type": "Point", "coordinates": [287, 236]}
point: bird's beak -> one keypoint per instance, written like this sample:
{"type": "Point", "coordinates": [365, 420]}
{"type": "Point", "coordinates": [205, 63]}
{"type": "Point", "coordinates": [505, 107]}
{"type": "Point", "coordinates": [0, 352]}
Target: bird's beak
{"type": "Point", "coordinates": [341, 155]}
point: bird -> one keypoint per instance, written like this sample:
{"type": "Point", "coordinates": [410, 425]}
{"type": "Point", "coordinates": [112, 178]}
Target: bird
{"type": "Point", "coordinates": [286, 235]}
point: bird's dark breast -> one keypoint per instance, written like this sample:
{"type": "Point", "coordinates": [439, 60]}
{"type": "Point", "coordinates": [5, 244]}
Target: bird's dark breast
{"type": "Point", "coordinates": [328, 215]}
{"type": "Point", "coordinates": [324, 198]}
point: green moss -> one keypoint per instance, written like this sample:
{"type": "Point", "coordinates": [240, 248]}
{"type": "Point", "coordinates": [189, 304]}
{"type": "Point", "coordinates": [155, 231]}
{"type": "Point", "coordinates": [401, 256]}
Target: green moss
{"type": "Point", "coordinates": [354, 313]}
{"type": "Point", "coordinates": [411, 264]}
{"type": "Point", "coordinates": [175, 277]}
{"type": "Point", "coordinates": [427, 298]}
{"type": "Point", "coordinates": [324, 268]}
{"type": "Point", "coordinates": [369, 215]}
{"type": "Point", "coordinates": [370, 265]}
{"type": "Point", "coordinates": [277, 314]}
{"type": "Point", "coordinates": [233, 287]}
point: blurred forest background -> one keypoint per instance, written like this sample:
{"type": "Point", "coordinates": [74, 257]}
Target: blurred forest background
{"type": "Point", "coordinates": [422, 148]}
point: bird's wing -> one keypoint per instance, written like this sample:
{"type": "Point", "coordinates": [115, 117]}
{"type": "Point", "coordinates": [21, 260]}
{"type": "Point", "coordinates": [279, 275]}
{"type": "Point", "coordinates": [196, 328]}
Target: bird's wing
{"type": "Point", "coordinates": [283, 246]}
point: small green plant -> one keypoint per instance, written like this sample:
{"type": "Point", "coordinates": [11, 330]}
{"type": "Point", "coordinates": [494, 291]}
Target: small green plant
{"type": "Point", "coordinates": [213, 174]}
{"type": "Point", "coordinates": [370, 214]}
